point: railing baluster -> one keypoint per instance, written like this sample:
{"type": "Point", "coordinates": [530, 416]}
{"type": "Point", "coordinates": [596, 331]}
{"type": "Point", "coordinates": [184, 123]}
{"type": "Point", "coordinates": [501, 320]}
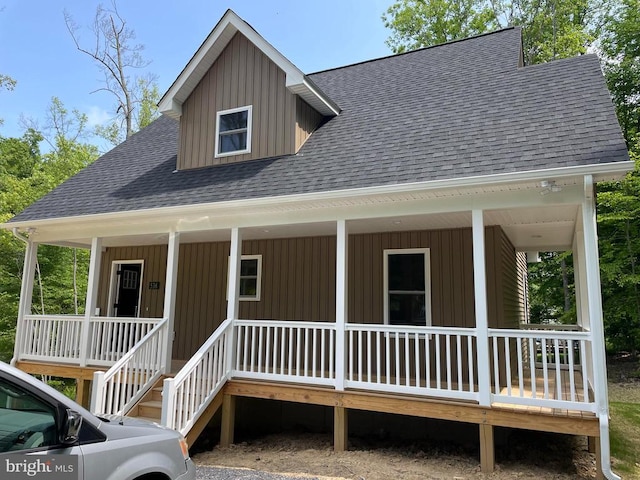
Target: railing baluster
{"type": "Point", "coordinates": [520, 366]}
{"type": "Point", "coordinates": [507, 361]}
{"type": "Point", "coordinates": [290, 333]}
{"type": "Point", "coordinates": [350, 355]}
{"type": "Point", "coordinates": [496, 366]}
{"type": "Point", "coordinates": [448, 353]}
{"type": "Point", "coordinates": [407, 369]}
{"type": "Point", "coordinates": [267, 355]}
{"type": "Point", "coordinates": [314, 356]}
{"type": "Point", "coordinates": [427, 359]}
{"type": "Point", "coordinates": [545, 373]}
{"type": "Point", "coordinates": [378, 348]}
{"type": "Point", "coordinates": [306, 352]}
{"type": "Point", "coordinates": [556, 345]}
{"type": "Point", "coordinates": [369, 354]}
{"type": "Point", "coordinates": [585, 375]}
{"type": "Point", "coordinates": [260, 340]}
{"type": "Point", "coordinates": [253, 348]}
{"type": "Point", "coordinates": [387, 356]}
{"type": "Point", "coordinates": [470, 357]}
{"type": "Point", "coordinates": [416, 354]}
{"type": "Point", "coordinates": [459, 356]}
{"type": "Point", "coordinates": [397, 347]}
{"type": "Point", "coordinates": [438, 372]}
{"type": "Point", "coordinates": [360, 354]}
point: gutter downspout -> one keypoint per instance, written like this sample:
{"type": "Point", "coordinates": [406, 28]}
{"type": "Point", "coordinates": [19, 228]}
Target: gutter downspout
{"type": "Point", "coordinates": [594, 299]}
{"type": "Point", "coordinates": [25, 240]}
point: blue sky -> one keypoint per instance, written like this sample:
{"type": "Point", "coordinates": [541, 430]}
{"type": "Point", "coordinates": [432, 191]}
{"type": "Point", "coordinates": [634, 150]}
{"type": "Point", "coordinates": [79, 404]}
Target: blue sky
{"type": "Point", "coordinates": [37, 51]}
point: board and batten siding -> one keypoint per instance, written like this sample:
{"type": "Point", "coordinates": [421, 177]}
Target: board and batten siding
{"type": "Point", "coordinates": [298, 280]}
{"type": "Point", "coordinates": [242, 76]}
{"type": "Point", "coordinates": [154, 270]}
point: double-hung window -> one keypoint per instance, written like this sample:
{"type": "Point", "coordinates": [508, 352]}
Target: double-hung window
{"type": "Point", "coordinates": [233, 131]}
{"type": "Point", "coordinates": [250, 277]}
{"type": "Point", "coordinates": [407, 296]}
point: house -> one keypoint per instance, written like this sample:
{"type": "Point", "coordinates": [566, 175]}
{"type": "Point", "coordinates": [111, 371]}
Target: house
{"type": "Point", "coordinates": [354, 238]}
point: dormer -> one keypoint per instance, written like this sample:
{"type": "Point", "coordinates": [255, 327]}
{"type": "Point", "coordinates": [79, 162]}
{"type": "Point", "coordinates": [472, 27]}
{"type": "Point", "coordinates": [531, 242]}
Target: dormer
{"type": "Point", "coordinates": [240, 99]}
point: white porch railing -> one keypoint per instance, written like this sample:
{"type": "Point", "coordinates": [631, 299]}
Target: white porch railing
{"type": "Point", "coordinates": [434, 361]}
{"type": "Point", "coordinates": [541, 368]}
{"type": "Point", "coordinates": [285, 351]}
{"type": "Point", "coordinates": [190, 392]}
{"type": "Point", "coordinates": [57, 338]}
{"type": "Point", "coordinates": [51, 338]}
{"type": "Point", "coordinates": [118, 390]}
{"type": "Point", "coordinates": [110, 338]}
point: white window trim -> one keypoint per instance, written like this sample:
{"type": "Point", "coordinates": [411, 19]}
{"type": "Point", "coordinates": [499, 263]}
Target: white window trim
{"type": "Point", "coordinates": [113, 286]}
{"type": "Point", "coordinates": [427, 279]}
{"type": "Point", "coordinates": [247, 298]}
{"type": "Point", "coordinates": [249, 109]}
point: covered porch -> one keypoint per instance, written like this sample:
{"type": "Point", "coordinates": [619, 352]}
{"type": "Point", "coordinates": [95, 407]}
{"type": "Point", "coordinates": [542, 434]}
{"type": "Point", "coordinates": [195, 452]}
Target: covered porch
{"type": "Point", "coordinates": [470, 349]}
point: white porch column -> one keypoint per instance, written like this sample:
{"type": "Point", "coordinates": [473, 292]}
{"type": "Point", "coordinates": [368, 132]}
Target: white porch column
{"type": "Point", "coordinates": [594, 302]}
{"type": "Point", "coordinates": [342, 251]}
{"type": "Point", "coordinates": [480, 296]}
{"type": "Point", "coordinates": [233, 293]}
{"type": "Point", "coordinates": [92, 297]}
{"type": "Point", "coordinates": [582, 295]}
{"type": "Point", "coordinates": [26, 296]}
{"type": "Point", "coordinates": [169, 308]}
{"type": "Point", "coordinates": [235, 257]}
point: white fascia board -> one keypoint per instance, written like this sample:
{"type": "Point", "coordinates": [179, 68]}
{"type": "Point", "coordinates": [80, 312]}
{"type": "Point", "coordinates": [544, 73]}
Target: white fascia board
{"type": "Point", "coordinates": [228, 25]}
{"type": "Point", "coordinates": [603, 171]}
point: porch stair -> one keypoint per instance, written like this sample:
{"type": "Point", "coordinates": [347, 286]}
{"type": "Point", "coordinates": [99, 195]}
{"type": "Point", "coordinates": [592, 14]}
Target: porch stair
{"type": "Point", "coordinates": [149, 408]}
{"type": "Point", "coordinates": [150, 405]}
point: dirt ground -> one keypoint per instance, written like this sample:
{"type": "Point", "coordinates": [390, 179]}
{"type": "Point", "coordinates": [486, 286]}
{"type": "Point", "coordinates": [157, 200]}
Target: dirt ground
{"type": "Point", "coordinates": [525, 455]}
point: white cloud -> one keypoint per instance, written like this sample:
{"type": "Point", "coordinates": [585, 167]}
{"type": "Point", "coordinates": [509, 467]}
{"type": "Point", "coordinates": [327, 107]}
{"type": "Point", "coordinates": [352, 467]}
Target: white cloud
{"type": "Point", "coordinates": [97, 116]}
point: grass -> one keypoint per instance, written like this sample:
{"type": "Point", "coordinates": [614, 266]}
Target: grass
{"type": "Point", "coordinates": [624, 403]}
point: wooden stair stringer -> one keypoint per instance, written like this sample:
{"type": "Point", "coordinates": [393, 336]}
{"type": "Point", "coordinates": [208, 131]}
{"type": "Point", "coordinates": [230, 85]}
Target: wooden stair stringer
{"type": "Point", "coordinates": [204, 418]}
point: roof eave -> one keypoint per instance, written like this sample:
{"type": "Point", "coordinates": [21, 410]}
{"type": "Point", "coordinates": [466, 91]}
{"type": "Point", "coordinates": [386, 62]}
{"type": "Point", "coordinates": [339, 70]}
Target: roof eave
{"type": "Point", "coordinates": [171, 102]}
{"type": "Point", "coordinates": [600, 173]}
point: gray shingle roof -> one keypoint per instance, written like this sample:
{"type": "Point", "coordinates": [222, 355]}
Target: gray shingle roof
{"type": "Point", "coordinates": [457, 110]}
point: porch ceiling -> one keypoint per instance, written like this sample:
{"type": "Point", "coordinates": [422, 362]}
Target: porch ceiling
{"type": "Point", "coordinates": [529, 229]}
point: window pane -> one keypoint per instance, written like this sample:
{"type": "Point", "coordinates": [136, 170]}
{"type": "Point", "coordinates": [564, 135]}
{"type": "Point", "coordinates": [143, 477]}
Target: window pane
{"type": "Point", "coordinates": [233, 142]}
{"type": "Point", "coordinates": [233, 121]}
{"type": "Point", "coordinates": [407, 309]}
{"type": "Point", "coordinates": [249, 267]}
{"type": "Point", "coordinates": [406, 272]}
{"type": "Point", "coordinates": [25, 421]}
{"type": "Point", "coordinates": [248, 287]}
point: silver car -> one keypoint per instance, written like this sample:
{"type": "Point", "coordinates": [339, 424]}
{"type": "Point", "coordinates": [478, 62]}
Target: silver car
{"type": "Point", "coordinates": [72, 443]}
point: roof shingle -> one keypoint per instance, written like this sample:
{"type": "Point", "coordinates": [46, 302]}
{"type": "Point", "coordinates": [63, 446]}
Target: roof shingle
{"type": "Point", "coordinates": [458, 110]}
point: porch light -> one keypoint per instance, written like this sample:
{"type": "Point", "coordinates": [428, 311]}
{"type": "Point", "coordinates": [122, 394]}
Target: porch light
{"type": "Point", "coordinates": [549, 186]}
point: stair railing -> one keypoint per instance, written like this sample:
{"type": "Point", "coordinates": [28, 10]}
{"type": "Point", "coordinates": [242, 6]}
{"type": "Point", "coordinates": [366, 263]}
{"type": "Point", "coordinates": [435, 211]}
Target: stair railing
{"type": "Point", "coordinates": [186, 396]}
{"type": "Point", "coordinates": [124, 384]}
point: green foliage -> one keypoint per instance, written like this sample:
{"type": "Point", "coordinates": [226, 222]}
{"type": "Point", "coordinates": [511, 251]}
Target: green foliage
{"type": "Point", "coordinates": [619, 232]}
{"type": "Point", "coordinates": [417, 23]}
{"type": "Point", "coordinates": [6, 82]}
{"type": "Point", "coordinates": [621, 49]}
{"type": "Point", "coordinates": [552, 289]}
{"type": "Point", "coordinates": [625, 437]}
{"type": "Point", "coordinates": [551, 28]}
{"type": "Point", "coordinates": [26, 175]}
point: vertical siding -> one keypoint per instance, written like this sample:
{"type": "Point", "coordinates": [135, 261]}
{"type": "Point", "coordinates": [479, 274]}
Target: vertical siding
{"type": "Point", "coordinates": [512, 296]}
{"type": "Point", "coordinates": [523, 285]}
{"type": "Point", "coordinates": [155, 269]}
{"type": "Point", "coordinates": [307, 120]}
{"type": "Point", "coordinates": [242, 75]}
{"type": "Point", "coordinates": [298, 280]}
{"type": "Point", "coordinates": [452, 294]}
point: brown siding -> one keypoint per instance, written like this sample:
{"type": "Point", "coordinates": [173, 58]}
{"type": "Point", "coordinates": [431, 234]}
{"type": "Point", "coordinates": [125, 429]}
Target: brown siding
{"type": "Point", "coordinates": [155, 268]}
{"type": "Point", "coordinates": [298, 280]}
{"type": "Point", "coordinates": [307, 120]}
{"type": "Point", "coordinates": [451, 274]}
{"type": "Point", "coordinates": [242, 75]}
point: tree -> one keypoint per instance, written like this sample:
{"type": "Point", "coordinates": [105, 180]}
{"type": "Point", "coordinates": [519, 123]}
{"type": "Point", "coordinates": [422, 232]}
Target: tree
{"type": "Point", "coordinates": [25, 175]}
{"type": "Point", "coordinates": [620, 46]}
{"type": "Point", "coordinates": [7, 82]}
{"type": "Point", "coordinates": [419, 23]}
{"type": "Point", "coordinates": [117, 56]}
{"type": "Point", "coordinates": [551, 28]}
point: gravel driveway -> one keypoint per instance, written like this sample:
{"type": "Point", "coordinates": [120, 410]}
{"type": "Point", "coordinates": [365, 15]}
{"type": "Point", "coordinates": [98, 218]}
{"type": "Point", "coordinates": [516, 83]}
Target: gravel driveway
{"type": "Point", "coordinates": [223, 473]}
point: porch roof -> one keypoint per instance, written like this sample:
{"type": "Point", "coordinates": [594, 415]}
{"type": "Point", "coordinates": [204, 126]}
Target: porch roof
{"type": "Point", "coordinates": [456, 111]}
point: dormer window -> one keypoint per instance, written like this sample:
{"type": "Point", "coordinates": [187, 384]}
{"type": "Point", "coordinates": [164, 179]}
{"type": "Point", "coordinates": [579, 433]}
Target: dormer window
{"type": "Point", "coordinates": [233, 131]}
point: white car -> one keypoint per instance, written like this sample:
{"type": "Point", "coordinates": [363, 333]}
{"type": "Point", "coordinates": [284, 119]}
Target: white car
{"type": "Point", "coordinates": [72, 443]}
